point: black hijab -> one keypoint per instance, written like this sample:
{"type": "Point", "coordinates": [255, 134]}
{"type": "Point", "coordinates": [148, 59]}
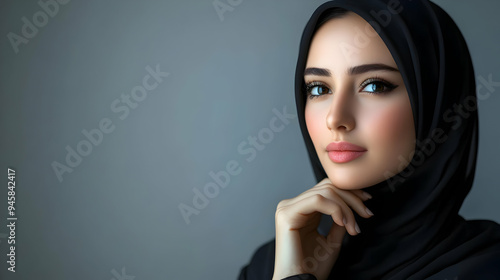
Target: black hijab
{"type": "Point", "coordinates": [416, 231]}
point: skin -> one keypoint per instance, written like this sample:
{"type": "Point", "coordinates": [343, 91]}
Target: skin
{"type": "Point", "coordinates": [348, 111]}
{"type": "Point", "coordinates": [380, 123]}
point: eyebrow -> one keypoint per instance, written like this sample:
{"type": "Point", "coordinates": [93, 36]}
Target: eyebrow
{"type": "Point", "coordinates": [352, 71]}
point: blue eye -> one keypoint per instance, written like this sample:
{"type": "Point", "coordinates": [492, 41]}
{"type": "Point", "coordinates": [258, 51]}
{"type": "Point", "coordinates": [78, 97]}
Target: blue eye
{"type": "Point", "coordinates": [374, 87]}
{"type": "Point", "coordinates": [377, 86]}
{"type": "Point", "coordinates": [316, 89]}
{"type": "Point", "coordinates": [371, 86]}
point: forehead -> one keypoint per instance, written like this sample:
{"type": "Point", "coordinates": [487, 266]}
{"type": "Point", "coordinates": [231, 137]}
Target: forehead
{"type": "Point", "coordinates": [347, 41]}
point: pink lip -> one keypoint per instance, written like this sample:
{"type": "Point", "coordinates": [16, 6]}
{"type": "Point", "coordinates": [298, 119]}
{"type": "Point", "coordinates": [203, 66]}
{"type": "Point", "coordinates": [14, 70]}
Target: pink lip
{"type": "Point", "coordinates": [341, 152]}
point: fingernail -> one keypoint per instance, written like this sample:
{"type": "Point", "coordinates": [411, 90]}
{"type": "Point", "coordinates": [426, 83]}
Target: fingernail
{"type": "Point", "coordinates": [367, 195]}
{"type": "Point", "coordinates": [369, 212]}
{"type": "Point", "coordinates": [344, 220]}
{"type": "Point", "coordinates": [357, 228]}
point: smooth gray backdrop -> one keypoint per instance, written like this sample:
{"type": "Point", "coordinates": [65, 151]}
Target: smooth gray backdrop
{"type": "Point", "coordinates": [116, 214]}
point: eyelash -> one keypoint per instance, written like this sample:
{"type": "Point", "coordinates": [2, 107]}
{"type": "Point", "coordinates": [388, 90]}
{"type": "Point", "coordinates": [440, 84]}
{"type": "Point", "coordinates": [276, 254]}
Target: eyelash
{"type": "Point", "coordinates": [388, 86]}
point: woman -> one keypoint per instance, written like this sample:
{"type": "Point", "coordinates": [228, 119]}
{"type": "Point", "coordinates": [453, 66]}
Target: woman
{"type": "Point", "coordinates": [378, 86]}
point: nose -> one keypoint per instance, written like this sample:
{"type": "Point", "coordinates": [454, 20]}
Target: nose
{"type": "Point", "coordinates": [341, 117]}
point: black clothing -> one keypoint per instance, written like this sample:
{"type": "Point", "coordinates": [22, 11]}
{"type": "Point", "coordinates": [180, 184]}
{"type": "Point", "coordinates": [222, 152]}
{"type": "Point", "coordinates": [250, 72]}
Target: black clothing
{"type": "Point", "coordinates": [416, 232]}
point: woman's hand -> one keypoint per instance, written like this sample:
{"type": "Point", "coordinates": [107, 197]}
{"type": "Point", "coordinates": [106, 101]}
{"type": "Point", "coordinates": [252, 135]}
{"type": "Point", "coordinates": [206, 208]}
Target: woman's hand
{"type": "Point", "coordinates": [299, 246]}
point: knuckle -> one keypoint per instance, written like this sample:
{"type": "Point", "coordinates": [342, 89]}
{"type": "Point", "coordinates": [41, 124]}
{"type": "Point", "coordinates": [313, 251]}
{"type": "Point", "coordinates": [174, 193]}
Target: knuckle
{"type": "Point", "coordinates": [329, 192]}
{"type": "Point", "coordinates": [279, 213]}
{"type": "Point", "coordinates": [336, 209]}
{"type": "Point", "coordinates": [317, 198]}
{"type": "Point", "coordinates": [281, 216]}
{"type": "Point", "coordinates": [326, 180]}
{"type": "Point", "coordinates": [282, 203]}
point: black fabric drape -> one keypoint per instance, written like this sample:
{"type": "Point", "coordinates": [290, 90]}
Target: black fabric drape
{"type": "Point", "coordinates": [416, 232]}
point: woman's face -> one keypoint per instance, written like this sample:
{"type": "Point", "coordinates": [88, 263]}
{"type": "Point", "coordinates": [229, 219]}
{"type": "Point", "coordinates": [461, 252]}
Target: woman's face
{"type": "Point", "coordinates": [358, 96]}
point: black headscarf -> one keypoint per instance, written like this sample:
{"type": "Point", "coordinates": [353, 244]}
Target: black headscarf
{"type": "Point", "coordinates": [416, 231]}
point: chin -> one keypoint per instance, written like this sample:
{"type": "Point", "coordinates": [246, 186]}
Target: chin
{"type": "Point", "coordinates": [346, 181]}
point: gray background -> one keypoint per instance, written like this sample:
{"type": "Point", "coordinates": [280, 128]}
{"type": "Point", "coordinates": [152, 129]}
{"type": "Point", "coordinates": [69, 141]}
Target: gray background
{"type": "Point", "coordinates": [119, 207]}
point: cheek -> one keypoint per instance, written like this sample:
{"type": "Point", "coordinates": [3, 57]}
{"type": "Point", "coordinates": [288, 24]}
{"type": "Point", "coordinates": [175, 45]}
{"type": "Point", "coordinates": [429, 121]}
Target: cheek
{"type": "Point", "coordinates": [313, 122]}
{"type": "Point", "coordinates": [392, 129]}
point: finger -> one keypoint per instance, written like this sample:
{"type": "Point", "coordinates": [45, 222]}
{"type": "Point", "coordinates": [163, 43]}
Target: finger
{"type": "Point", "coordinates": [323, 182]}
{"type": "Point", "coordinates": [362, 194]}
{"type": "Point", "coordinates": [348, 199]}
{"type": "Point", "coordinates": [321, 185]}
{"type": "Point", "coordinates": [354, 202]}
{"type": "Point", "coordinates": [297, 214]}
{"type": "Point", "coordinates": [335, 236]}
{"type": "Point", "coordinates": [330, 191]}
{"type": "Point", "coordinates": [345, 198]}
{"type": "Point", "coordinates": [346, 219]}
{"type": "Point", "coordinates": [306, 193]}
